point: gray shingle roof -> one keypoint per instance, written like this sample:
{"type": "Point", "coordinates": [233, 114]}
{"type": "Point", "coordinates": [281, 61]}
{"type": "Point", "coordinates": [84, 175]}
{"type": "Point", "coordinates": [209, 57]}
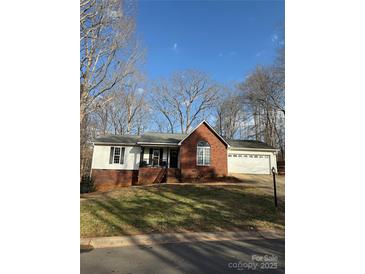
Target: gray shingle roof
{"type": "Point", "coordinates": [154, 137]}
{"type": "Point", "coordinates": [248, 144]}
{"type": "Point", "coordinates": [171, 138]}
{"type": "Point", "coordinates": [123, 139]}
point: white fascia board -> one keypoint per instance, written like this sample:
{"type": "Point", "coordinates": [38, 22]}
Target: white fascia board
{"type": "Point", "coordinates": [220, 137]}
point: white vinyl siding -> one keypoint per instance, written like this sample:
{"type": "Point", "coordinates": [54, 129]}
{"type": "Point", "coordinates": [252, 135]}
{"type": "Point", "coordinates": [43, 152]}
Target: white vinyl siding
{"type": "Point", "coordinates": [101, 158]}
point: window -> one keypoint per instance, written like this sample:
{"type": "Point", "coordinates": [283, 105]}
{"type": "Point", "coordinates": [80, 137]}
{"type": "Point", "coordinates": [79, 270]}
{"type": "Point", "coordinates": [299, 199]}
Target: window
{"type": "Point", "coordinates": [116, 155]}
{"type": "Point", "coordinates": [203, 154]}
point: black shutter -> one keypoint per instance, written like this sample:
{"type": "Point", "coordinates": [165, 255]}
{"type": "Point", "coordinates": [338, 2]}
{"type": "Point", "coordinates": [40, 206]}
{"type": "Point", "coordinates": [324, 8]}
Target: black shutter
{"type": "Point", "coordinates": [122, 156]}
{"type": "Point", "coordinates": [150, 159]}
{"type": "Point", "coordinates": [161, 153]}
{"type": "Point", "coordinates": [111, 155]}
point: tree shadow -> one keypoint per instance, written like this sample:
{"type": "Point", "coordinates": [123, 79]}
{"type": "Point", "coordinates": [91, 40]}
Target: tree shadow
{"type": "Point", "coordinates": [208, 206]}
{"type": "Point", "coordinates": [186, 208]}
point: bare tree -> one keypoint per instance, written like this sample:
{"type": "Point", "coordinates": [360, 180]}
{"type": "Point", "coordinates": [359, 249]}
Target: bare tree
{"type": "Point", "coordinates": [108, 51]}
{"type": "Point", "coordinates": [108, 55]}
{"type": "Point", "coordinates": [264, 96]}
{"type": "Point", "coordinates": [185, 98]}
{"type": "Point", "coordinates": [229, 114]}
{"type": "Point", "coordinates": [142, 119]}
{"type": "Point", "coordinates": [161, 101]}
{"type": "Point", "coordinates": [126, 106]}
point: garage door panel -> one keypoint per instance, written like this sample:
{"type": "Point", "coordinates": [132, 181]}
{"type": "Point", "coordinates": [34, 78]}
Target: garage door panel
{"type": "Point", "coordinates": [248, 163]}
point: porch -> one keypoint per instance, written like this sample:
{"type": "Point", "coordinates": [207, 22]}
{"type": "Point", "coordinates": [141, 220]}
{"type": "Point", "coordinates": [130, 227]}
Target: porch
{"type": "Point", "coordinates": [159, 156]}
{"type": "Point", "coordinates": [159, 164]}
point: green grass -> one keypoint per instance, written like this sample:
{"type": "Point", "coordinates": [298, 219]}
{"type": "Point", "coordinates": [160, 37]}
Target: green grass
{"type": "Point", "coordinates": [178, 208]}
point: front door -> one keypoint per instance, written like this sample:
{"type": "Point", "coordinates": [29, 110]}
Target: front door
{"type": "Point", "coordinates": [156, 157]}
{"type": "Point", "coordinates": [173, 158]}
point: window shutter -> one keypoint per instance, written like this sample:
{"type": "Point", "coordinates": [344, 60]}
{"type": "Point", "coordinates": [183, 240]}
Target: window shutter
{"type": "Point", "coordinates": [150, 159]}
{"type": "Point", "coordinates": [122, 156]}
{"type": "Point", "coordinates": [111, 155]}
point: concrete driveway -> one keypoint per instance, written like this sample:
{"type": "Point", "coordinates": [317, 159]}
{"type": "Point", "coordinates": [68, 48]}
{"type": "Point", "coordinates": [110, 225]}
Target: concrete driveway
{"type": "Point", "coordinates": [262, 182]}
{"type": "Point", "coordinates": [240, 256]}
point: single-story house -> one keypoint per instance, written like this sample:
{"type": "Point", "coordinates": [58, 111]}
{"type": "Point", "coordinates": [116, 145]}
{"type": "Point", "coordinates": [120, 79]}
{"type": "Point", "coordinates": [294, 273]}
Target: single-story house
{"type": "Point", "coordinates": [124, 160]}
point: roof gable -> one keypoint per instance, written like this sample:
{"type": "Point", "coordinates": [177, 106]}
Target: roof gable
{"type": "Point", "coordinates": [211, 128]}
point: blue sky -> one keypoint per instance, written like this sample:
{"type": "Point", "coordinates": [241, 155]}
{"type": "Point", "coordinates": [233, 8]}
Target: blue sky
{"type": "Point", "coordinates": [226, 39]}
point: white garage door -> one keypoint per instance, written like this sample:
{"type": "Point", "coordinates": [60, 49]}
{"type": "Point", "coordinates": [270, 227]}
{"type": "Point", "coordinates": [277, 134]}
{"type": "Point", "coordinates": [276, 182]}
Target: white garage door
{"type": "Point", "coordinates": [248, 163]}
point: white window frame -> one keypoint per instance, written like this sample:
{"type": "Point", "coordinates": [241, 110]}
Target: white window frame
{"type": "Point", "coordinates": [120, 155]}
{"type": "Point", "coordinates": [204, 149]}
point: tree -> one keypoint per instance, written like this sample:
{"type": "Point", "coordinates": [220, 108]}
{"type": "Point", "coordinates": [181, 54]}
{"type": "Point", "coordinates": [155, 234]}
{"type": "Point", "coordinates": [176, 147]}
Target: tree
{"type": "Point", "coordinates": [126, 107]}
{"type": "Point", "coordinates": [229, 114]}
{"type": "Point", "coordinates": [108, 55]}
{"type": "Point", "coordinates": [185, 98]}
{"type": "Point", "coordinates": [263, 92]}
{"type": "Point", "coordinates": [161, 102]}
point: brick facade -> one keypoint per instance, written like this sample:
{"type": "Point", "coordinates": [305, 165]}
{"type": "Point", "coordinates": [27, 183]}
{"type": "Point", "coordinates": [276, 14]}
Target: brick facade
{"type": "Point", "coordinates": [173, 175]}
{"type": "Point", "coordinates": [107, 179]}
{"type": "Point", "coordinates": [151, 175]}
{"type": "Point", "coordinates": [218, 151]}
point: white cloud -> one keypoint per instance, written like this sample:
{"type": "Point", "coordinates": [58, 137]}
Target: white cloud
{"type": "Point", "coordinates": [175, 47]}
{"type": "Point", "coordinates": [260, 53]}
{"type": "Point", "coordinates": [274, 37]}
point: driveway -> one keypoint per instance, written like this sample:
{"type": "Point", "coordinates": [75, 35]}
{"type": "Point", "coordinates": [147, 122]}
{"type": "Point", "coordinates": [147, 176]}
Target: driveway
{"type": "Point", "coordinates": [240, 256]}
{"type": "Point", "coordinates": [263, 182]}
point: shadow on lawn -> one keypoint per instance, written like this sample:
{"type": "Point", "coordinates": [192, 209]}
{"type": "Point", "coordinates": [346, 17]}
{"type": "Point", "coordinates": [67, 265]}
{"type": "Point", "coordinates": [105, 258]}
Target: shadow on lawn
{"type": "Point", "coordinates": [177, 208]}
{"type": "Point", "coordinates": [180, 208]}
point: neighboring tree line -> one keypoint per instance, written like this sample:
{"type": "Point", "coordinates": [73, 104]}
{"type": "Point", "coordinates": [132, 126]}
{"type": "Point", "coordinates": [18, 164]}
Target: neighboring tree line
{"type": "Point", "coordinates": [256, 108]}
{"type": "Point", "coordinates": [116, 98]}
{"type": "Point", "coordinates": [253, 109]}
{"type": "Point", "coordinates": [110, 99]}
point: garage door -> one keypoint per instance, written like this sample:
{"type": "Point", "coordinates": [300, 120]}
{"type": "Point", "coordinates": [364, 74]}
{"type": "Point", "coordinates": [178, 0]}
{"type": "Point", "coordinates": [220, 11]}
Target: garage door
{"type": "Point", "coordinates": [248, 163]}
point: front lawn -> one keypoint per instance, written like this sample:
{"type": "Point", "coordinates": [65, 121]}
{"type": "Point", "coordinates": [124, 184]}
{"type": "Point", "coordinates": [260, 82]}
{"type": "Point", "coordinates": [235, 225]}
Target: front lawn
{"type": "Point", "coordinates": [178, 208]}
